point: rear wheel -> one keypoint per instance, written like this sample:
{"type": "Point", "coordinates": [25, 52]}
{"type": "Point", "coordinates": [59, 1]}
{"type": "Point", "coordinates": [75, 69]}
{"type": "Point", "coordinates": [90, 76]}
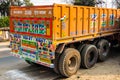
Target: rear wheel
{"type": "Point", "coordinates": [81, 46]}
{"type": "Point", "coordinates": [69, 62]}
{"type": "Point", "coordinates": [89, 56]}
{"type": "Point", "coordinates": [56, 63]}
{"type": "Point", "coordinates": [103, 49]}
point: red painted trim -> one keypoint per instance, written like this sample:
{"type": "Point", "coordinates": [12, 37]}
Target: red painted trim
{"type": "Point", "coordinates": [30, 34]}
{"type": "Point", "coordinates": [11, 28]}
{"type": "Point", "coordinates": [51, 28]}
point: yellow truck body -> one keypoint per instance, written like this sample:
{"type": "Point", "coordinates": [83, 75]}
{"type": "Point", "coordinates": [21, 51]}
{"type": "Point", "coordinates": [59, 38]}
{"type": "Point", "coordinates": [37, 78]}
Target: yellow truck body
{"type": "Point", "coordinates": [37, 31]}
{"type": "Point", "coordinates": [81, 23]}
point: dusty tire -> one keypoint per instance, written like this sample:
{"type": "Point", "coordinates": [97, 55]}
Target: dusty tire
{"type": "Point", "coordinates": [95, 42]}
{"type": "Point", "coordinates": [103, 50]}
{"type": "Point", "coordinates": [56, 63]}
{"type": "Point", "coordinates": [69, 62]}
{"type": "Point", "coordinates": [31, 63]}
{"type": "Point", "coordinates": [81, 46]}
{"type": "Point", "coordinates": [89, 56]}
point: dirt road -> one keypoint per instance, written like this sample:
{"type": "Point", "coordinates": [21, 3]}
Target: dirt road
{"type": "Point", "coordinates": [12, 68]}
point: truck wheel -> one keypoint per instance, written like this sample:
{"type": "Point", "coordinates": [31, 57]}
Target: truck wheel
{"type": "Point", "coordinates": [56, 63]}
{"type": "Point", "coordinates": [89, 56]}
{"type": "Point", "coordinates": [69, 62]}
{"type": "Point", "coordinates": [81, 46]}
{"type": "Point", "coordinates": [31, 63]}
{"type": "Point", "coordinates": [95, 42]}
{"type": "Point", "coordinates": [103, 50]}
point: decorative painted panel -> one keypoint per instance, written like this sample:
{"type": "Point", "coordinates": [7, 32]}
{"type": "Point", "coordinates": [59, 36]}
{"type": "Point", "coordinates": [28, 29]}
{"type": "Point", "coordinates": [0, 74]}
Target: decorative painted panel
{"type": "Point", "coordinates": [33, 49]}
{"type": "Point", "coordinates": [33, 26]}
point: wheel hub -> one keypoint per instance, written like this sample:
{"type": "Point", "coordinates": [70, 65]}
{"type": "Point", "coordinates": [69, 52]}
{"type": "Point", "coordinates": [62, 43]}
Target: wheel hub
{"type": "Point", "coordinates": [72, 63]}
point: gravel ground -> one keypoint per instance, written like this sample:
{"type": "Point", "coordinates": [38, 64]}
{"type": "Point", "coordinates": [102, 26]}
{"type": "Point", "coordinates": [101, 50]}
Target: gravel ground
{"type": "Point", "coordinates": [12, 68]}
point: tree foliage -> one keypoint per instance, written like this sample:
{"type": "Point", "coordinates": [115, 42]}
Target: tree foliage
{"type": "Point", "coordinates": [4, 22]}
{"type": "Point", "coordinates": [5, 4]}
{"type": "Point", "coordinates": [85, 2]}
{"type": "Point", "coordinates": [4, 7]}
{"type": "Point", "coordinates": [15, 2]}
{"type": "Point", "coordinates": [28, 3]}
{"type": "Point", "coordinates": [118, 3]}
{"type": "Point", "coordinates": [20, 3]}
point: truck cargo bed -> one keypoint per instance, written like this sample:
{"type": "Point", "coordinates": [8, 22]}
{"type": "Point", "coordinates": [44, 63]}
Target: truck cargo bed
{"type": "Point", "coordinates": [73, 23]}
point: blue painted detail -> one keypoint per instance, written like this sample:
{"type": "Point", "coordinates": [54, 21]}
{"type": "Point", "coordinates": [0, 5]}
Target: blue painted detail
{"type": "Point", "coordinates": [93, 16]}
{"type": "Point", "coordinates": [103, 15]}
{"type": "Point", "coordinates": [17, 36]}
{"type": "Point", "coordinates": [44, 48]}
{"type": "Point", "coordinates": [52, 53]}
{"type": "Point", "coordinates": [112, 16]}
{"type": "Point", "coordinates": [27, 37]}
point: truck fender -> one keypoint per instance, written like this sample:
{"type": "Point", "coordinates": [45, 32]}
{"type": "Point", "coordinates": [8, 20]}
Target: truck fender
{"type": "Point", "coordinates": [60, 48]}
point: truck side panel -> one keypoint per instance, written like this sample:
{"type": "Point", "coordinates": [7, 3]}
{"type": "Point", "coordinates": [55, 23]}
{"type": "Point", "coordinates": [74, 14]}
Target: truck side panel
{"type": "Point", "coordinates": [80, 22]}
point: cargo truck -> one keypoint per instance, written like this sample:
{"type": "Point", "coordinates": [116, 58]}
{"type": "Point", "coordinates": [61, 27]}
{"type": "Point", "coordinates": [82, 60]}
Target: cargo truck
{"type": "Point", "coordinates": [63, 37]}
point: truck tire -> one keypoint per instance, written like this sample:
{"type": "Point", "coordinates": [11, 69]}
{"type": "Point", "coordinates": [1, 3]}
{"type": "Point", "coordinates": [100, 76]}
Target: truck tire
{"type": "Point", "coordinates": [89, 56]}
{"type": "Point", "coordinates": [95, 42]}
{"type": "Point", "coordinates": [69, 62]}
{"type": "Point", "coordinates": [31, 63]}
{"type": "Point", "coordinates": [56, 63]}
{"type": "Point", "coordinates": [81, 46]}
{"type": "Point", "coordinates": [103, 50]}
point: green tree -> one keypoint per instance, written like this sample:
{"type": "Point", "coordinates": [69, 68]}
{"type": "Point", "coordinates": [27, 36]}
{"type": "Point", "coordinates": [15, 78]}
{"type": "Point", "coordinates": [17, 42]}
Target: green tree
{"type": "Point", "coordinates": [4, 22]}
{"type": "Point", "coordinates": [85, 2]}
{"type": "Point", "coordinates": [20, 3]}
{"type": "Point", "coordinates": [118, 3]}
{"type": "Point", "coordinates": [5, 4]}
{"type": "Point", "coordinates": [15, 2]}
{"type": "Point", "coordinates": [28, 3]}
{"type": "Point", "coordinates": [4, 7]}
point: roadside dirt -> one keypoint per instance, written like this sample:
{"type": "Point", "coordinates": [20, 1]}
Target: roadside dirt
{"type": "Point", "coordinates": [108, 70]}
{"type": "Point", "coordinates": [4, 48]}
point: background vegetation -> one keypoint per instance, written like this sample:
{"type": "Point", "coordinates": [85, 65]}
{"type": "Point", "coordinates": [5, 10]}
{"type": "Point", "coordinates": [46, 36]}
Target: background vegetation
{"type": "Point", "coordinates": [4, 22]}
{"type": "Point", "coordinates": [85, 2]}
{"type": "Point", "coordinates": [5, 9]}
